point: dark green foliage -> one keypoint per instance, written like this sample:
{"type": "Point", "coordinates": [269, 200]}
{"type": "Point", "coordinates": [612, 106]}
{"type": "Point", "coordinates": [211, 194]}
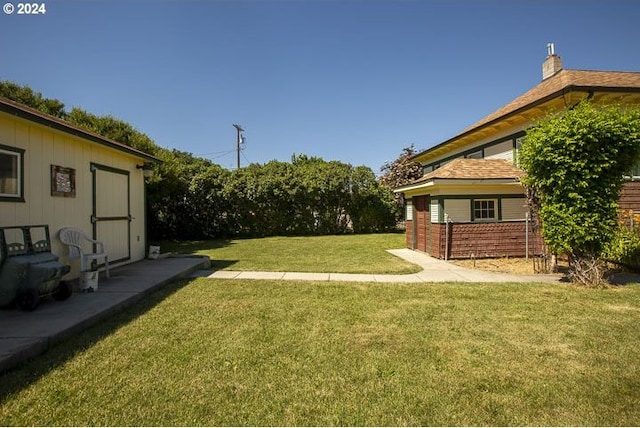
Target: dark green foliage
{"type": "Point", "coordinates": [192, 198]}
{"type": "Point", "coordinates": [35, 100]}
{"type": "Point", "coordinates": [309, 196]}
{"type": "Point", "coordinates": [575, 163]}
{"type": "Point", "coordinates": [624, 248]}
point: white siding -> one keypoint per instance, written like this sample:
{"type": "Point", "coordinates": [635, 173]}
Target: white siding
{"type": "Point", "coordinates": [502, 150]}
{"type": "Point", "coordinates": [409, 210]}
{"type": "Point", "coordinates": [513, 209]}
{"type": "Point", "coordinates": [459, 210]}
{"type": "Point", "coordinates": [434, 211]}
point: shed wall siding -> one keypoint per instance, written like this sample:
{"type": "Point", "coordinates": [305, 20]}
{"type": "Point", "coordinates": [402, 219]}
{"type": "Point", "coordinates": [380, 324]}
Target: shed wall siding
{"type": "Point", "coordinates": [505, 239]}
{"type": "Point", "coordinates": [630, 196]}
{"type": "Point", "coordinates": [45, 147]}
{"type": "Point", "coordinates": [513, 209]}
{"type": "Point", "coordinates": [458, 210]}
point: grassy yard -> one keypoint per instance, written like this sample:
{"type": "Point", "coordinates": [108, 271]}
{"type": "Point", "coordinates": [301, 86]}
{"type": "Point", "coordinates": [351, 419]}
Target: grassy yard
{"type": "Point", "coordinates": [341, 253]}
{"type": "Point", "coordinates": [218, 352]}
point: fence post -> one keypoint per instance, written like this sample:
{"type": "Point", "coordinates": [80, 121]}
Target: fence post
{"type": "Point", "coordinates": [526, 235]}
{"type": "Point", "coordinates": [446, 236]}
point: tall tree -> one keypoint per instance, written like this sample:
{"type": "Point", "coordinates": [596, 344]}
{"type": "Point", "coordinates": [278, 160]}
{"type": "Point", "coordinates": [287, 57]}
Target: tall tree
{"type": "Point", "coordinates": [574, 163]}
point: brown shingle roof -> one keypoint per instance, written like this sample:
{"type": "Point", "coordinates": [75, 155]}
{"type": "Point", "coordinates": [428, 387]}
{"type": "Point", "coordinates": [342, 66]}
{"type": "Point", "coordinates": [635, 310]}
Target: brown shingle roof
{"type": "Point", "coordinates": [565, 79]}
{"type": "Point", "coordinates": [471, 169]}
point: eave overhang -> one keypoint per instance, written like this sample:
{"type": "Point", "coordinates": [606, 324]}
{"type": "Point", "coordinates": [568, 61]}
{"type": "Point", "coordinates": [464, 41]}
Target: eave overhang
{"type": "Point", "coordinates": [526, 115]}
{"type": "Point", "coordinates": [19, 110]}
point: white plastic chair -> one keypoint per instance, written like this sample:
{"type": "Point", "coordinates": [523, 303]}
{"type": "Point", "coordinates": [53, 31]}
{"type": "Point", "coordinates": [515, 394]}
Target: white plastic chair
{"type": "Point", "coordinates": [74, 238]}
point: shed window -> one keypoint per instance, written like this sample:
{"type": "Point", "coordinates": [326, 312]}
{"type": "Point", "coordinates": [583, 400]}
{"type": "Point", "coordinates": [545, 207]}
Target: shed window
{"type": "Point", "coordinates": [484, 209]}
{"type": "Point", "coordinates": [10, 173]}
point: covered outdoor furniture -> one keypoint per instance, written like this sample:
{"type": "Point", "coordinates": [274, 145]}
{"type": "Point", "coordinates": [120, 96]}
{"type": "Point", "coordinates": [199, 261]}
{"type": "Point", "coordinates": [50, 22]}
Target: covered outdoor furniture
{"type": "Point", "coordinates": [75, 239]}
{"type": "Point", "coordinates": [28, 269]}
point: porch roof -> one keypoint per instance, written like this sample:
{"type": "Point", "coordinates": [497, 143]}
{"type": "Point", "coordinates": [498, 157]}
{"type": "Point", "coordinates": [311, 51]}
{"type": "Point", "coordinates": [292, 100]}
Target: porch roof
{"type": "Point", "coordinates": [462, 169]}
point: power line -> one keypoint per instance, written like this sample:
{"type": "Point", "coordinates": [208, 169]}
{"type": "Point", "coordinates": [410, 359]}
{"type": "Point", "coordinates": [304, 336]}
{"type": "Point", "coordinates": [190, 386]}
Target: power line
{"type": "Point", "coordinates": [245, 158]}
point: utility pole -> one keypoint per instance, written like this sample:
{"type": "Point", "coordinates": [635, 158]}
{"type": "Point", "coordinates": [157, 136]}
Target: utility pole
{"type": "Point", "coordinates": [239, 138]}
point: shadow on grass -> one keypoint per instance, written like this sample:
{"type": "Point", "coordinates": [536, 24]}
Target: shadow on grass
{"type": "Point", "coordinates": [30, 371]}
{"type": "Point", "coordinates": [192, 247]}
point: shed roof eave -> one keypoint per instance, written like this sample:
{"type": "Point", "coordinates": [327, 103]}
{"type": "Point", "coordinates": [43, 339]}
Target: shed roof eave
{"type": "Point", "coordinates": [27, 113]}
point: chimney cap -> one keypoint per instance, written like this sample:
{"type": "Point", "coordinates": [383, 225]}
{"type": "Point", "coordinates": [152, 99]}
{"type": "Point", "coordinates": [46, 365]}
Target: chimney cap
{"type": "Point", "coordinates": [551, 50]}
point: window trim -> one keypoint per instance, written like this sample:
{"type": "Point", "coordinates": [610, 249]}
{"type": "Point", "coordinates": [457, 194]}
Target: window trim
{"type": "Point", "coordinates": [19, 153]}
{"type": "Point", "coordinates": [496, 210]}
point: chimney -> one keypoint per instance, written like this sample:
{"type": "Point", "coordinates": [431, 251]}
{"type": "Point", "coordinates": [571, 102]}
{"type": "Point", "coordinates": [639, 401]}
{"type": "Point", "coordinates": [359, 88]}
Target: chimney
{"type": "Point", "coordinates": [552, 64]}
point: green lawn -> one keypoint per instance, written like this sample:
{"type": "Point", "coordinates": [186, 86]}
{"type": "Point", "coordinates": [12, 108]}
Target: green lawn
{"type": "Point", "coordinates": [221, 352]}
{"type": "Point", "coordinates": [341, 253]}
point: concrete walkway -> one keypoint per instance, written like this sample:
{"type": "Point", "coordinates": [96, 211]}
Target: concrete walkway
{"type": "Point", "coordinates": [27, 334]}
{"type": "Point", "coordinates": [433, 270]}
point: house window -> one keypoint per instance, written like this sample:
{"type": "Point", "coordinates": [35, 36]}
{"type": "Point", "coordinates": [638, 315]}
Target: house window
{"type": "Point", "coordinates": [10, 173]}
{"type": "Point", "coordinates": [474, 155]}
{"type": "Point", "coordinates": [484, 209]}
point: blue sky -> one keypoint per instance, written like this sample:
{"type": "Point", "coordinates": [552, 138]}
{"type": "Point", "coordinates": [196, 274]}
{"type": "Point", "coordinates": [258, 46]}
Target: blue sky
{"type": "Point", "coordinates": [348, 80]}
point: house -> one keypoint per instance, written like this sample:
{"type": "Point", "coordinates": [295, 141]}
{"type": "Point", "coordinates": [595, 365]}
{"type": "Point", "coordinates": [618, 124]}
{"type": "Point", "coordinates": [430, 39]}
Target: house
{"type": "Point", "coordinates": [54, 173]}
{"type": "Point", "coordinates": [469, 202]}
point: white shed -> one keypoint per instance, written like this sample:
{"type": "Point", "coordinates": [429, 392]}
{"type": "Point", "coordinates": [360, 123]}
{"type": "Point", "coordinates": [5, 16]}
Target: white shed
{"type": "Point", "coordinates": [54, 173]}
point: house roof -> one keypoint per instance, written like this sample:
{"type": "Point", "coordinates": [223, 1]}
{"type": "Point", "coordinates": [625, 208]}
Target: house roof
{"type": "Point", "coordinates": [557, 86]}
{"type": "Point", "coordinates": [566, 80]}
{"type": "Point", "coordinates": [21, 110]}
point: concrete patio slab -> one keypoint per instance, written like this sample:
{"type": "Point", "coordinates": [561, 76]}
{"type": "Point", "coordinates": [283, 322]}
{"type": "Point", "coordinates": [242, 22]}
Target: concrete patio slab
{"type": "Point", "coordinates": [27, 334]}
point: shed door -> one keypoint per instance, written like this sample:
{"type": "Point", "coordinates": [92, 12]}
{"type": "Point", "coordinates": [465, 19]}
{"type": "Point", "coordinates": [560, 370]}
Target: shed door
{"type": "Point", "coordinates": [422, 222]}
{"type": "Point", "coordinates": [111, 217]}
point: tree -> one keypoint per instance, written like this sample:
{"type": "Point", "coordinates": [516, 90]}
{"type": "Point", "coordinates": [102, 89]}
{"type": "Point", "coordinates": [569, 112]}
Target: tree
{"type": "Point", "coordinates": [27, 96]}
{"type": "Point", "coordinates": [400, 172]}
{"type": "Point", "coordinates": [372, 207]}
{"type": "Point", "coordinates": [574, 163]}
